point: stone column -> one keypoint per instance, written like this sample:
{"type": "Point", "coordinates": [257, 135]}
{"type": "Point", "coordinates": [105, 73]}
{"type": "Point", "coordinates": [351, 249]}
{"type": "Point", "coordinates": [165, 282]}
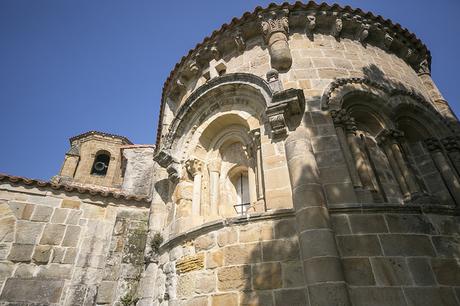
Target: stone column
{"type": "Point", "coordinates": [409, 177]}
{"type": "Point", "coordinates": [255, 136]}
{"type": "Point", "coordinates": [321, 262]}
{"type": "Point", "coordinates": [214, 170]}
{"type": "Point", "coordinates": [364, 170]}
{"type": "Point", "coordinates": [194, 167]}
{"type": "Point", "coordinates": [384, 143]}
{"type": "Point", "coordinates": [340, 119]}
{"type": "Point", "coordinates": [449, 177]}
{"type": "Point", "coordinates": [441, 104]}
{"type": "Point", "coordinates": [452, 146]}
{"type": "Point", "coordinates": [275, 28]}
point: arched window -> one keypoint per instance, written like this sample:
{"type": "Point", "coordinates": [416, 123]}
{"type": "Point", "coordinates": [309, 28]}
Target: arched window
{"type": "Point", "coordinates": [241, 184]}
{"type": "Point", "coordinates": [101, 163]}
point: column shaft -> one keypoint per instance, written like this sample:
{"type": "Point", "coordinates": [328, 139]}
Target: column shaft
{"type": "Point", "coordinates": [214, 178]}
{"type": "Point", "coordinates": [406, 172]}
{"type": "Point", "coordinates": [394, 166]}
{"type": "Point", "coordinates": [196, 194]}
{"type": "Point", "coordinates": [321, 262]}
{"type": "Point", "coordinates": [447, 174]}
{"type": "Point", "coordinates": [354, 175]}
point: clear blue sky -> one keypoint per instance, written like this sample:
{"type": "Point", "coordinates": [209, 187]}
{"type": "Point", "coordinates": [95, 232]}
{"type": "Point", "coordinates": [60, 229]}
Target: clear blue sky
{"type": "Point", "coordinates": [67, 67]}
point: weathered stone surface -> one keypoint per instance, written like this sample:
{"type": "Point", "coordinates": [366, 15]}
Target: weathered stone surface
{"type": "Point", "coordinates": [214, 259]}
{"type": "Point", "coordinates": [285, 229]}
{"type": "Point", "coordinates": [280, 250]}
{"type": "Point", "coordinates": [340, 224]}
{"type": "Point", "coordinates": [446, 271]}
{"type": "Point", "coordinates": [28, 232]}
{"type": "Point", "coordinates": [206, 282]}
{"type": "Point", "coordinates": [328, 294]}
{"type": "Point", "coordinates": [317, 243]}
{"type": "Point", "coordinates": [55, 271]}
{"type": "Point", "coordinates": [24, 271]}
{"type": "Point", "coordinates": [391, 271]}
{"type": "Point", "coordinates": [417, 224]}
{"type": "Point", "coordinates": [71, 236]}
{"type": "Point", "coordinates": [42, 254]}
{"type": "Point", "coordinates": [21, 252]}
{"type": "Point", "coordinates": [367, 224]}
{"type": "Point", "coordinates": [447, 246]}
{"type": "Point", "coordinates": [256, 232]}
{"type": "Point", "coordinates": [73, 217]}
{"type": "Point", "coordinates": [6, 269]}
{"type": "Point", "coordinates": [52, 234]}
{"type": "Point", "coordinates": [359, 245]}
{"type": "Point", "coordinates": [32, 290]}
{"type": "Point", "coordinates": [42, 213]}
{"type": "Point", "coordinates": [234, 278]}
{"type": "Point", "coordinates": [293, 275]}
{"type": "Point", "coordinates": [407, 245]}
{"type": "Point", "coordinates": [430, 296]}
{"type": "Point", "coordinates": [242, 254]}
{"type": "Point", "coordinates": [266, 276]}
{"type": "Point", "coordinates": [255, 298]}
{"type": "Point", "coordinates": [72, 204]}
{"type": "Point", "coordinates": [383, 296]}
{"type": "Point", "coordinates": [7, 229]}
{"type": "Point", "coordinates": [190, 263]}
{"type": "Point", "coordinates": [59, 215]}
{"type": "Point", "coordinates": [421, 271]}
{"type": "Point", "coordinates": [106, 292]}
{"type": "Point", "coordinates": [358, 272]}
{"type": "Point", "coordinates": [58, 254]}
{"type": "Point", "coordinates": [205, 242]}
{"type": "Point", "coordinates": [224, 299]}
{"type": "Point", "coordinates": [291, 297]}
{"type": "Point", "coordinates": [70, 255]}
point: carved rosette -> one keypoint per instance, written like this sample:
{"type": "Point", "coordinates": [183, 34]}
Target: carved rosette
{"type": "Point", "coordinates": [433, 144]}
{"type": "Point", "coordinates": [275, 28]}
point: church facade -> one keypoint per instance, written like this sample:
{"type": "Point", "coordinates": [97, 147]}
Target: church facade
{"type": "Point", "coordinates": [304, 156]}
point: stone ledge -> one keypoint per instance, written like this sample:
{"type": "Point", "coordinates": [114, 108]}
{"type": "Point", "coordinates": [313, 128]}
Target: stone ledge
{"type": "Point", "coordinates": [394, 208]}
{"type": "Point", "coordinates": [218, 224]}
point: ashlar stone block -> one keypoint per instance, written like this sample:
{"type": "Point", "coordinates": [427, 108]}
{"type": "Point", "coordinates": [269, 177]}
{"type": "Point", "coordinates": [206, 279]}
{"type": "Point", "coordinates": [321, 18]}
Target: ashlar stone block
{"type": "Point", "coordinates": [291, 297]}
{"type": "Point", "coordinates": [72, 235]}
{"type": "Point", "coordinates": [234, 278]}
{"type": "Point", "coordinates": [28, 232]}
{"type": "Point", "coordinates": [266, 276]}
{"type": "Point", "coordinates": [42, 213]}
{"type": "Point", "coordinates": [21, 252]}
{"type": "Point", "coordinates": [53, 234]}
{"type": "Point", "coordinates": [35, 290]}
{"type": "Point", "coordinates": [42, 254]}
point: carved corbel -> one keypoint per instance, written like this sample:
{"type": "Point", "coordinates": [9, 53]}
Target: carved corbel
{"type": "Point", "coordinates": [273, 80]}
{"type": "Point", "coordinates": [275, 28]}
{"type": "Point", "coordinates": [284, 104]}
{"type": "Point", "coordinates": [337, 27]}
{"type": "Point", "coordinates": [215, 52]}
{"type": "Point", "coordinates": [167, 161]}
{"type": "Point", "coordinates": [311, 23]}
{"type": "Point", "coordinates": [424, 67]}
{"type": "Point", "coordinates": [388, 41]}
{"type": "Point", "coordinates": [239, 40]}
{"type": "Point", "coordinates": [363, 32]}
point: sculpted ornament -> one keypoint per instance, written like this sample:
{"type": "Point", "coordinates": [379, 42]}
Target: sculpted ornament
{"type": "Point", "coordinates": [433, 144]}
{"type": "Point", "coordinates": [275, 28]}
{"type": "Point", "coordinates": [363, 32]}
{"type": "Point", "coordinates": [239, 40]}
{"type": "Point", "coordinates": [337, 27]}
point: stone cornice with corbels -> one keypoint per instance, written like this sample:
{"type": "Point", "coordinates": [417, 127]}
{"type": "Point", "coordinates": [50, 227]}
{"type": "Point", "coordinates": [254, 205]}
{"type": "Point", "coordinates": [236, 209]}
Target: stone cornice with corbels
{"type": "Point", "coordinates": [312, 17]}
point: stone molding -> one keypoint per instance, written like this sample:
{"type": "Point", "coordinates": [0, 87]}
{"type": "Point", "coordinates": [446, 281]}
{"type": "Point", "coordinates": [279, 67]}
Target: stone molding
{"type": "Point", "coordinates": [395, 208]}
{"type": "Point", "coordinates": [165, 159]}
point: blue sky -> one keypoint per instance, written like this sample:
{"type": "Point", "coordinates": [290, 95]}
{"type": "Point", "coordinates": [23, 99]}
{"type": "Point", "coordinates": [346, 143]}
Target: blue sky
{"type": "Point", "coordinates": [67, 67]}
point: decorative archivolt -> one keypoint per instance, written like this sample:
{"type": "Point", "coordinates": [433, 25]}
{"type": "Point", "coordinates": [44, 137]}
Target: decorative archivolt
{"type": "Point", "coordinates": [393, 99]}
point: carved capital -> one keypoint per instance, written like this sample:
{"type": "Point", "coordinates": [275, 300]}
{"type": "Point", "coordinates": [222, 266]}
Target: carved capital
{"type": "Point", "coordinates": [340, 117]}
{"type": "Point", "coordinates": [214, 165]}
{"type": "Point", "coordinates": [167, 161]}
{"type": "Point", "coordinates": [433, 144]}
{"type": "Point", "coordinates": [274, 22]}
{"type": "Point", "coordinates": [451, 144]}
{"type": "Point", "coordinates": [194, 166]}
{"type": "Point", "coordinates": [389, 136]}
{"type": "Point", "coordinates": [284, 104]}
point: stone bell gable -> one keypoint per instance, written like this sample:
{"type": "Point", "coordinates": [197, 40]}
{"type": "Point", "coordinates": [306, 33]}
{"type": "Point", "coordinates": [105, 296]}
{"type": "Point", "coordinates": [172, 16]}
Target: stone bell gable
{"type": "Point", "coordinates": [304, 156]}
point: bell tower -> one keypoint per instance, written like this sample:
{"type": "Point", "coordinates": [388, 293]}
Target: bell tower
{"type": "Point", "coordinates": [94, 158]}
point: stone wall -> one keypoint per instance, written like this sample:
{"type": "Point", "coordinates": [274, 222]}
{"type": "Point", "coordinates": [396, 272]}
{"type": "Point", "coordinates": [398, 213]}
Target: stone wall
{"type": "Point", "coordinates": [59, 248]}
{"type": "Point", "coordinates": [138, 174]}
{"type": "Point", "coordinates": [400, 257]}
{"type": "Point", "coordinates": [246, 262]}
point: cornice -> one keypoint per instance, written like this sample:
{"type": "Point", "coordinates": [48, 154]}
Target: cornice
{"type": "Point", "coordinates": [312, 17]}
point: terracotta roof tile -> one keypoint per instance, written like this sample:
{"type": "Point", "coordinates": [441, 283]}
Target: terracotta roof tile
{"type": "Point", "coordinates": [69, 188]}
